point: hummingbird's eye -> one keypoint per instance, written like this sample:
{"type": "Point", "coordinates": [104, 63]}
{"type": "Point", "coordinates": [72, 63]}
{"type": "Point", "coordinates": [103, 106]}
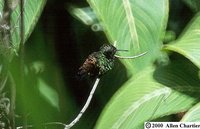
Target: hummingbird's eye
{"type": "Point", "coordinates": [109, 54]}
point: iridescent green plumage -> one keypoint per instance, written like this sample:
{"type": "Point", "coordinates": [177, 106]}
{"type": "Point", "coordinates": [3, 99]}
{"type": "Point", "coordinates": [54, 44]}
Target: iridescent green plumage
{"type": "Point", "coordinates": [104, 64]}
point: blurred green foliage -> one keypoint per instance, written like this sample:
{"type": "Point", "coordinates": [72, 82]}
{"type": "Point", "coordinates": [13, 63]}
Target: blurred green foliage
{"type": "Point", "coordinates": [59, 44]}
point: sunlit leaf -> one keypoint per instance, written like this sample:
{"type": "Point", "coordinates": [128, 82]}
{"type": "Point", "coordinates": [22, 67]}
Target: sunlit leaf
{"type": "Point", "coordinates": [135, 25]}
{"type": "Point", "coordinates": [188, 44]}
{"type": "Point", "coordinates": [151, 94]}
{"type": "Point", "coordinates": [193, 115]}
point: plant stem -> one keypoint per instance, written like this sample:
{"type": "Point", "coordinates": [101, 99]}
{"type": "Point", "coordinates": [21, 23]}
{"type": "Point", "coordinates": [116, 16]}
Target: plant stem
{"type": "Point", "coordinates": [3, 82]}
{"type": "Point", "coordinates": [6, 55]}
{"type": "Point", "coordinates": [21, 54]}
{"type": "Point", "coordinates": [21, 48]}
{"type": "Point", "coordinates": [85, 106]}
{"type": "Point", "coordinates": [78, 116]}
{"type": "Point", "coordinates": [12, 102]}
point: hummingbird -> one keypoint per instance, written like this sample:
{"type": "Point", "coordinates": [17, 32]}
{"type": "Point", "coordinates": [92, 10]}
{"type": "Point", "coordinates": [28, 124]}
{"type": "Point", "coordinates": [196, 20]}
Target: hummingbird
{"type": "Point", "coordinates": [98, 63]}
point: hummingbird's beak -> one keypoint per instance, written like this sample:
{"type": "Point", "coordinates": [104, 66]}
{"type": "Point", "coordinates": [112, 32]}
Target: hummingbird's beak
{"type": "Point", "coordinates": [121, 50]}
{"type": "Point", "coordinates": [131, 57]}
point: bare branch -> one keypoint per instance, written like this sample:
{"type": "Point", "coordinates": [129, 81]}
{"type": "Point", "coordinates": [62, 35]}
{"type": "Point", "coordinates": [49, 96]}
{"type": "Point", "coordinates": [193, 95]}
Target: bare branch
{"type": "Point", "coordinates": [12, 100]}
{"type": "Point", "coordinates": [78, 116]}
{"type": "Point", "coordinates": [85, 106]}
{"type": "Point", "coordinates": [21, 127]}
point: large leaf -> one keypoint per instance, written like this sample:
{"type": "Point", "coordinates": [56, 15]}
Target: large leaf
{"type": "Point", "coordinates": [32, 11]}
{"type": "Point", "coordinates": [193, 115]}
{"type": "Point", "coordinates": [86, 15]}
{"type": "Point", "coordinates": [151, 94]}
{"type": "Point", "coordinates": [188, 43]}
{"type": "Point", "coordinates": [136, 25]}
{"type": "Point", "coordinates": [193, 4]}
{"type": "Point", "coordinates": [48, 93]}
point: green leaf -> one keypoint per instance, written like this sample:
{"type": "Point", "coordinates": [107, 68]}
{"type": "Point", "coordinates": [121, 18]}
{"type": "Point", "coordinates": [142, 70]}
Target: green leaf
{"type": "Point", "coordinates": [86, 15]}
{"type": "Point", "coordinates": [151, 94]}
{"type": "Point", "coordinates": [48, 93]}
{"type": "Point", "coordinates": [32, 11]}
{"type": "Point", "coordinates": [193, 4]}
{"type": "Point", "coordinates": [193, 115]}
{"type": "Point", "coordinates": [135, 25]}
{"type": "Point", "coordinates": [188, 44]}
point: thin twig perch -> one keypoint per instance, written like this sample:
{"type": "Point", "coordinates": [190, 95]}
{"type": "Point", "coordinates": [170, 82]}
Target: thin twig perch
{"type": "Point", "coordinates": [85, 106]}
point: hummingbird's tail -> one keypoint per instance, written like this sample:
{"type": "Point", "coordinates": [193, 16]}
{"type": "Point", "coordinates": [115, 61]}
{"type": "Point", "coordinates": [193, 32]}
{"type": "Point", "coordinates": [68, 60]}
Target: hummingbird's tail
{"type": "Point", "coordinates": [82, 73]}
